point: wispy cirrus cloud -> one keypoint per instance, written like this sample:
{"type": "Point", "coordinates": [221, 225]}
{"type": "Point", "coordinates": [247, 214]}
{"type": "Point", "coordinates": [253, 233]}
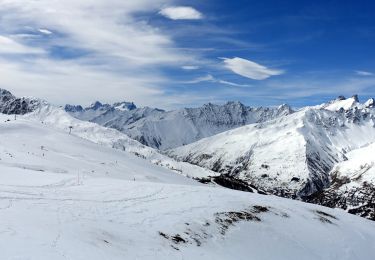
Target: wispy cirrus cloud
{"type": "Point", "coordinates": [364, 73]}
{"type": "Point", "coordinates": [82, 46]}
{"type": "Point", "coordinates": [212, 79]}
{"type": "Point", "coordinates": [190, 67]}
{"type": "Point", "coordinates": [181, 13]}
{"type": "Point", "coordinates": [250, 69]}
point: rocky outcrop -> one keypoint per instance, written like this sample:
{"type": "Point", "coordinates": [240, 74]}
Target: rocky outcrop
{"type": "Point", "coordinates": [10, 104]}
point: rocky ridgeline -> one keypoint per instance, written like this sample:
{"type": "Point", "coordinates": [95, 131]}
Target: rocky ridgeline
{"type": "Point", "coordinates": [10, 104]}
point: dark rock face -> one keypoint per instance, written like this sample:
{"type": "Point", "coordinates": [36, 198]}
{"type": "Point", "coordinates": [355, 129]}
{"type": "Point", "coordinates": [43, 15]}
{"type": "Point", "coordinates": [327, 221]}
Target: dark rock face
{"type": "Point", "coordinates": [10, 104]}
{"type": "Point", "coordinates": [72, 108]}
{"type": "Point", "coordinates": [358, 201]}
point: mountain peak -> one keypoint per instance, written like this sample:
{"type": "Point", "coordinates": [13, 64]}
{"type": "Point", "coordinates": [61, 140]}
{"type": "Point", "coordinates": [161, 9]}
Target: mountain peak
{"type": "Point", "coordinates": [73, 108]}
{"type": "Point", "coordinates": [9, 104]}
{"type": "Point", "coordinates": [124, 106]}
{"type": "Point", "coordinates": [369, 103]}
{"type": "Point", "coordinates": [96, 105]}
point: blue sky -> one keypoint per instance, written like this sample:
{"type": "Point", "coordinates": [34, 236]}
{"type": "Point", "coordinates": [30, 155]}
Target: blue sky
{"type": "Point", "coordinates": [169, 54]}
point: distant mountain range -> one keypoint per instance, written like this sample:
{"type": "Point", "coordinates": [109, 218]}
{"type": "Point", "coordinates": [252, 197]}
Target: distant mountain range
{"type": "Point", "coordinates": [169, 129]}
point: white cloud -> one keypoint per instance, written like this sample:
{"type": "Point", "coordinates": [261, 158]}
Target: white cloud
{"type": "Point", "coordinates": [63, 82]}
{"type": "Point", "coordinates": [250, 69]}
{"type": "Point", "coordinates": [181, 13]}
{"type": "Point", "coordinates": [10, 46]}
{"type": "Point", "coordinates": [116, 45]}
{"type": "Point", "coordinates": [225, 82]}
{"type": "Point", "coordinates": [45, 31]}
{"type": "Point", "coordinates": [106, 28]}
{"type": "Point", "coordinates": [190, 67]}
{"type": "Point", "coordinates": [363, 73]}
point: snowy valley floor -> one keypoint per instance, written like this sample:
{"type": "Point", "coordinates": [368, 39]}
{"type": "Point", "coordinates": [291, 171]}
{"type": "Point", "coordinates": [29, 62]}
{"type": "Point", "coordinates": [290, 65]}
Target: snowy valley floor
{"type": "Point", "coordinates": [63, 197]}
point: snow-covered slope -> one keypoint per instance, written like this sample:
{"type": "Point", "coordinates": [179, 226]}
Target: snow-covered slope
{"type": "Point", "coordinates": [36, 146]}
{"type": "Point", "coordinates": [54, 213]}
{"type": "Point", "coordinates": [287, 156]}
{"type": "Point", "coordinates": [63, 196]}
{"type": "Point", "coordinates": [352, 184]}
{"type": "Point", "coordinates": [161, 129]}
{"type": "Point", "coordinates": [59, 119]}
{"type": "Point", "coordinates": [342, 103]}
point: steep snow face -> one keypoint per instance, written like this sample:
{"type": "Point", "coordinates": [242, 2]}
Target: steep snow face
{"type": "Point", "coordinates": [9, 104]}
{"type": "Point", "coordinates": [288, 155]}
{"type": "Point", "coordinates": [353, 184]}
{"type": "Point", "coordinates": [163, 130]}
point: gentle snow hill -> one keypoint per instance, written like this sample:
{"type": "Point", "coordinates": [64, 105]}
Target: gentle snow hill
{"type": "Point", "coordinates": [287, 156]}
{"type": "Point", "coordinates": [57, 118]}
{"type": "Point", "coordinates": [49, 215]}
{"type": "Point", "coordinates": [169, 129]}
{"type": "Point", "coordinates": [35, 146]}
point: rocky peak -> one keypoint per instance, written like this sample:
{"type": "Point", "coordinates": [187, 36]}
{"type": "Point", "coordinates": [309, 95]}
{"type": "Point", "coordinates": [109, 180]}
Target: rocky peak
{"type": "Point", "coordinates": [9, 104]}
{"type": "Point", "coordinates": [96, 105]}
{"type": "Point", "coordinates": [355, 98]}
{"type": "Point", "coordinates": [73, 108]}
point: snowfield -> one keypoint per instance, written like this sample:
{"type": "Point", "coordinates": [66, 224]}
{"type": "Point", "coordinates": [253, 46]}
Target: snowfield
{"type": "Point", "coordinates": [65, 197]}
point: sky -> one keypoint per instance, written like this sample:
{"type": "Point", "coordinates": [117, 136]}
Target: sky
{"type": "Point", "coordinates": [172, 53]}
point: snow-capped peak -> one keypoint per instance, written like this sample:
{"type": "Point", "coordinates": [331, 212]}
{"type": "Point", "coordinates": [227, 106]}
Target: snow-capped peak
{"type": "Point", "coordinates": [342, 103]}
{"type": "Point", "coordinates": [124, 106]}
{"type": "Point", "coordinates": [369, 103]}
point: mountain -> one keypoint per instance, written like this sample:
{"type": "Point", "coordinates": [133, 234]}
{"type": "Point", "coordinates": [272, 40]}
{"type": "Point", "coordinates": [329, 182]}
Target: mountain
{"type": "Point", "coordinates": [9, 104]}
{"type": "Point", "coordinates": [291, 156]}
{"type": "Point", "coordinates": [56, 118]}
{"type": "Point", "coordinates": [352, 184]}
{"type": "Point", "coordinates": [169, 129]}
{"type": "Point", "coordinates": [91, 193]}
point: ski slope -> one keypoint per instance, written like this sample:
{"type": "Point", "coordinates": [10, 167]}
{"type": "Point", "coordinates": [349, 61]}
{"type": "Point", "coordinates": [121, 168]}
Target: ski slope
{"type": "Point", "coordinates": [56, 118]}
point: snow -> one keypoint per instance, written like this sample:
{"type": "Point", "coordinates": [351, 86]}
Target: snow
{"type": "Point", "coordinates": [73, 196]}
{"type": "Point", "coordinates": [29, 144]}
{"type": "Point", "coordinates": [168, 129]}
{"type": "Point", "coordinates": [304, 145]}
{"type": "Point", "coordinates": [59, 119]}
{"type": "Point", "coordinates": [46, 215]}
{"type": "Point", "coordinates": [359, 166]}
{"type": "Point", "coordinates": [345, 104]}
